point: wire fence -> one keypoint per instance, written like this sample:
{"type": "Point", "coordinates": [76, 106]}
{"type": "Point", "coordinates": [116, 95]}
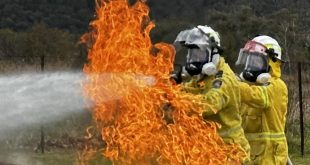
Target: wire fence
{"type": "Point", "coordinates": [20, 64]}
{"type": "Point", "coordinates": [295, 74]}
{"type": "Point", "coordinates": [297, 77]}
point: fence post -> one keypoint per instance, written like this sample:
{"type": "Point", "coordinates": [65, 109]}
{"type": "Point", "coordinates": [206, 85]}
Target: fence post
{"type": "Point", "coordinates": [42, 62]}
{"type": "Point", "coordinates": [301, 112]}
{"type": "Point", "coordinates": [42, 139]}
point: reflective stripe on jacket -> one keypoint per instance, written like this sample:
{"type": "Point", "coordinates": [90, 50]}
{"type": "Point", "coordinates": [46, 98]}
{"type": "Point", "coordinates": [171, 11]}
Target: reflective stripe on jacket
{"type": "Point", "coordinates": [264, 111]}
{"type": "Point", "coordinates": [225, 99]}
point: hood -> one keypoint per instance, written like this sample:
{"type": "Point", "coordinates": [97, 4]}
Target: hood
{"type": "Point", "coordinates": [275, 70]}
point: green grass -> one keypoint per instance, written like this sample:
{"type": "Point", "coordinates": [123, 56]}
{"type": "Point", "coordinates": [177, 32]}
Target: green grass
{"type": "Point", "coordinates": [30, 158]}
{"type": "Point", "coordinates": [297, 159]}
{"type": "Point", "coordinates": [59, 157]}
{"type": "Point", "coordinates": [17, 147]}
{"type": "Point", "coordinates": [293, 138]}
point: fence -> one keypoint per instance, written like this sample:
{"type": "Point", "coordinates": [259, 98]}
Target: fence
{"type": "Point", "coordinates": [18, 64]}
{"type": "Point", "coordinates": [21, 64]}
{"type": "Point", "coordinates": [297, 77]}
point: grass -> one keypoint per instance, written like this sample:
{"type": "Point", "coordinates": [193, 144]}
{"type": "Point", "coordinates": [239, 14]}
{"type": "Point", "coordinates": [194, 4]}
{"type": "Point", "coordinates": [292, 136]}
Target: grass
{"type": "Point", "coordinates": [295, 154]}
{"type": "Point", "coordinates": [59, 157]}
{"type": "Point", "coordinates": [293, 138]}
{"type": "Point", "coordinates": [21, 143]}
{"type": "Point", "coordinates": [297, 159]}
{"type": "Point", "coordinates": [69, 157]}
{"type": "Point", "coordinates": [31, 158]}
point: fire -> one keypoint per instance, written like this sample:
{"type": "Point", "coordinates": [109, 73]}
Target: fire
{"type": "Point", "coordinates": [141, 115]}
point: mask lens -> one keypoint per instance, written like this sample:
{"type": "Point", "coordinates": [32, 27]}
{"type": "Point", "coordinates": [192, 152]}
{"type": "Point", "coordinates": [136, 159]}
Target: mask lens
{"type": "Point", "coordinates": [196, 58]}
{"type": "Point", "coordinates": [256, 62]}
{"type": "Point", "coordinates": [243, 55]}
{"type": "Point", "coordinates": [250, 48]}
{"type": "Point", "coordinates": [197, 55]}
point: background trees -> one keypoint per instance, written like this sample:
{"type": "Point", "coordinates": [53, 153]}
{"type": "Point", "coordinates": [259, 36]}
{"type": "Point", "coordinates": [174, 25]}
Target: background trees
{"type": "Point", "coordinates": [33, 27]}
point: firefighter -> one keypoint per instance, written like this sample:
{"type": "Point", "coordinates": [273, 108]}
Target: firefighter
{"type": "Point", "coordinates": [264, 98]}
{"type": "Point", "coordinates": [212, 78]}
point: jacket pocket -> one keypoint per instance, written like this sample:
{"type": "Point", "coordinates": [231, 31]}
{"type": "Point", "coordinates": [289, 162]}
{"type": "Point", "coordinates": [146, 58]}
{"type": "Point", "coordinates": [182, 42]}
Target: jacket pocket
{"type": "Point", "coordinates": [280, 152]}
{"type": "Point", "coordinates": [257, 151]}
{"type": "Point", "coordinates": [252, 124]}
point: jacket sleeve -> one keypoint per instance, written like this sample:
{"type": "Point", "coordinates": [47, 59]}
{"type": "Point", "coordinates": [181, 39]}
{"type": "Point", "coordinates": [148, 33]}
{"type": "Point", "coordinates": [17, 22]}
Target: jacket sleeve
{"type": "Point", "coordinates": [218, 96]}
{"type": "Point", "coordinates": [255, 96]}
{"type": "Point", "coordinates": [213, 99]}
{"type": "Point", "coordinates": [190, 87]}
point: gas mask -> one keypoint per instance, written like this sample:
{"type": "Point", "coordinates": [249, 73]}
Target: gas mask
{"type": "Point", "coordinates": [200, 61]}
{"type": "Point", "coordinates": [256, 60]}
{"type": "Point", "coordinates": [203, 49]}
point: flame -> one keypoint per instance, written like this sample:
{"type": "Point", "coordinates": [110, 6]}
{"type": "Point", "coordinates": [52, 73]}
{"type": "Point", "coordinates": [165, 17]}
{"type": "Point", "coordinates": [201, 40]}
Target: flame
{"type": "Point", "coordinates": [141, 115]}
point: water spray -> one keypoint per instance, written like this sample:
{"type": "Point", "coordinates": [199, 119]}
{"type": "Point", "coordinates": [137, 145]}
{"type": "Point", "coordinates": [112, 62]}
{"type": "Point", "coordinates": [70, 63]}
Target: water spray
{"type": "Point", "coordinates": [33, 98]}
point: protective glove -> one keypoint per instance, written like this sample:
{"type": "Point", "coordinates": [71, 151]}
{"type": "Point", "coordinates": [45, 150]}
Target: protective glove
{"type": "Point", "coordinates": [176, 77]}
{"type": "Point", "coordinates": [180, 75]}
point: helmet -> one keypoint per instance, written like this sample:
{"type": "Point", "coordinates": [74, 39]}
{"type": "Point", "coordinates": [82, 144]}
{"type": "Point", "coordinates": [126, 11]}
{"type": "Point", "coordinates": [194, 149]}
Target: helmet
{"type": "Point", "coordinates": [256, 55]}
{"type": "Point", "coordinates": [203, 49]}
{"type": "Point", "coordinates": [208, 31]}
{"type": "Point", "coordinates": [273, 47]}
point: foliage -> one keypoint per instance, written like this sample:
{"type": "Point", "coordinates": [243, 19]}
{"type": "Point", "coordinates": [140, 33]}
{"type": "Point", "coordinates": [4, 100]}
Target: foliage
{"type": "Point", "coordinates": [237, 20]}
{"type": "Point", "coordinates": [40, 40]}
{"type": "Point", "coordinates": [70, 15]}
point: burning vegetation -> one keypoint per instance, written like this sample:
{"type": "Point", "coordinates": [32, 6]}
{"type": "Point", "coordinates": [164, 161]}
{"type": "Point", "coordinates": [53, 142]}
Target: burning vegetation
{"type": "Point", "coordinates": [141, 115]}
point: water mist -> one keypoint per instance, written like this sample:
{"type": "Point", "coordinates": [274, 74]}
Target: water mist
{"type": "Point", "coordinates": [34, 98]}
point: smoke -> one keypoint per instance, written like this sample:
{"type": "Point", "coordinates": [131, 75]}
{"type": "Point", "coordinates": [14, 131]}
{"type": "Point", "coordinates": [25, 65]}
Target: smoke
{"type": "Point", "coordinates": [34, 98]}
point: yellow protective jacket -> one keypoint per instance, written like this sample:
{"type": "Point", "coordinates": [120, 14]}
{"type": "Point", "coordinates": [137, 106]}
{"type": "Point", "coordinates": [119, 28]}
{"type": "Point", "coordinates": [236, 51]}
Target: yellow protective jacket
{"type": "Point", "coordinates": [223, 94]}
{"type": "Point", "coordinates": [264, 111]}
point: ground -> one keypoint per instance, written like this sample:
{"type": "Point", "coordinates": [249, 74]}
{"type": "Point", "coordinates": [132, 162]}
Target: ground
{"type": "Point", "coordinates": [64, 139]}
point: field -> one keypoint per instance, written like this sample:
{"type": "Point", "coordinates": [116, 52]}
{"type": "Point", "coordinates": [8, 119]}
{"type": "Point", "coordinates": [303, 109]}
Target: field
{"type": "Point", "coordinates": [21, 146]}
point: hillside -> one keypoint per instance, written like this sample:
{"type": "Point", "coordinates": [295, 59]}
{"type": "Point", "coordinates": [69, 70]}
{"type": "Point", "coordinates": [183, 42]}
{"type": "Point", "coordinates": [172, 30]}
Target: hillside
{"type": "Point", "coordinates": [236, 20]}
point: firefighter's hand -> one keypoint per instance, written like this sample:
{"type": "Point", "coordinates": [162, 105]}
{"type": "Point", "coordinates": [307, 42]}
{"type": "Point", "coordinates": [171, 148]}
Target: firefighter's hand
{"type": "Point", "coordinates": [176, 77]}
{"type": "Point", "coordinates": [181, 75]}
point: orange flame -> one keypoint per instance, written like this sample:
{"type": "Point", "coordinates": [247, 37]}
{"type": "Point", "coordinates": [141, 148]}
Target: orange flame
{"type": "Point", "coordinates": [128, 82]}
